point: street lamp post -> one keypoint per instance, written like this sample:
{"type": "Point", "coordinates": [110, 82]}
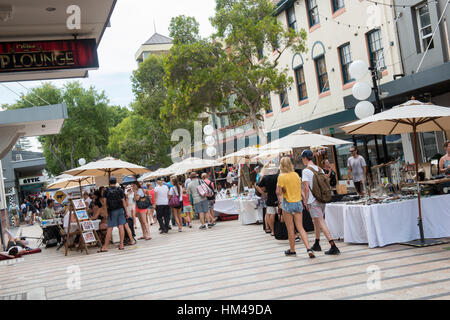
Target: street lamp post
{"type": "Point", "coordinates": [376, 90]}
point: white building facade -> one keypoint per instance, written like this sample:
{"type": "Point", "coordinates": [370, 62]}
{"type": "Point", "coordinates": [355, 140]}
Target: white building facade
{"type": "Point", "coordinates": [338, 32]}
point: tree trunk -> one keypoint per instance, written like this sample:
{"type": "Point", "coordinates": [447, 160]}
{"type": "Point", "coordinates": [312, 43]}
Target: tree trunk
{"type": "Point", "coordinates": [259, 130]}
{"type": "Point", "coordinates": [53, 150]}
{"type": "Point", "coordinates": [71, 155]}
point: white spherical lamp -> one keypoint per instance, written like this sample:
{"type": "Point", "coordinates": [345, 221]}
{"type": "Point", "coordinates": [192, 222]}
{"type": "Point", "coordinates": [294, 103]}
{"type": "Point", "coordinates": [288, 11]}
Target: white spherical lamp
{"type": "Point", "coordinates": [361, 90]}
{"type": "Point", "coordinates": [358, 69]}
{"type": "Point", "coordinates": [208, 130]}
{"type": "Point", "coordinates": [211, 151]}
{"type": "Point", "coordinates": [82, 162]}
{"type": "Point", "coordinates": [364, 109]}
{"type": "Point", "coordinates": [210, 141]}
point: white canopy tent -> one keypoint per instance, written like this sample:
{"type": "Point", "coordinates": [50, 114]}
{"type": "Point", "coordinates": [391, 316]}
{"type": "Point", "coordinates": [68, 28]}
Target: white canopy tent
{"type": "Point", "coordinates": [107, 167]}
{"type": "Point", "coordinates": [303, 139]}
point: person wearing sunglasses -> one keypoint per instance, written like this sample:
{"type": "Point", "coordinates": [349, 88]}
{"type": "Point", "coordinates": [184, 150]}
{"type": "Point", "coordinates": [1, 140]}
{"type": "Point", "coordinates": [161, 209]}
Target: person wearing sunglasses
{"type": "Point", "coordinates": [357, 170]}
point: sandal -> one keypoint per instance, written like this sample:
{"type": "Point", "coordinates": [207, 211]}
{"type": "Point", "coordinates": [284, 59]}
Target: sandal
{"type": "Point", "coordinates": [141, 238]}
{"type": "Point", "coordinates": [148, 239]}
{"type": "Point", "coordinates": [101, 251]}
{"type": "Point", "coordinates": [122, 248]}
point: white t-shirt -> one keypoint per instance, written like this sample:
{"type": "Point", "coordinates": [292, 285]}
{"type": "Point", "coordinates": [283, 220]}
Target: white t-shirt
{"type": "Point", "coordinates": [175, 191]}
{"type": "Point", "coordinates": [230, 177]}
{"type": "Point", "coordinates": [186, 183]}
{"type": "Point", "coordinates": [19, 249]}
{"type": "Point", "coordinates": [357, 165]}
{"type": "Point", "coordinates": [130, 196]}
{"type": "Point", "coordinates": [308, 175]}
{"type": "Point", "coordinates": [161, 195]}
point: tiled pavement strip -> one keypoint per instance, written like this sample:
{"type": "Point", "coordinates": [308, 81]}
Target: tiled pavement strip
{"type": "Point", "coordinates": [230, 261]}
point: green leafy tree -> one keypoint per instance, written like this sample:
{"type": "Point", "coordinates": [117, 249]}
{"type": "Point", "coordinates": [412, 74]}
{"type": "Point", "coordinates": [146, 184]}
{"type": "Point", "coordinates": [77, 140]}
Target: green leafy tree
{"type": "Point", "coordinates": [143, 137]}
{"type": "Point", "coordinates": [204, 75]}
{"type": "Point", "coordinates": [86, 130]}
{"type": "Point", "coordinates": [184, 30]}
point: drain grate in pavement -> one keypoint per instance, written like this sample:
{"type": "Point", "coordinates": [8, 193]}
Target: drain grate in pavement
{"type": "Point", "coordinates": [19, 296]}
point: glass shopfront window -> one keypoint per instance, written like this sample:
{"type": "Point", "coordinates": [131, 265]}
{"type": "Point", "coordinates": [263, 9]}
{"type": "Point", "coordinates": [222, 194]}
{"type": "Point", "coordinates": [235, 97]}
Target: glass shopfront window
{"type": "Point", "coordinates": [374, 149]}
{"type": "Point", "coordinates": [394, 148]}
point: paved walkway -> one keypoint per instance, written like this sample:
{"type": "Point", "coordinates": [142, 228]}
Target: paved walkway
{"type": "Point", "coordinates": [230, 261]}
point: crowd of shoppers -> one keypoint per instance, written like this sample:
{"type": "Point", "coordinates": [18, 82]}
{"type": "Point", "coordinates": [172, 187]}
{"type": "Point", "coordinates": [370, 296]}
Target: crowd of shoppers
{"type": "Point", "coordinates": [289, 195]}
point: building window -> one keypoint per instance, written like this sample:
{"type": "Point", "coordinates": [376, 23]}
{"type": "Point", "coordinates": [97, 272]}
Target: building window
{"type": "Point", "coordinates": [376, 55]}
{"type": "Point", "coordinates": [301, 84]}
{"type": "Point", "coordinates": [425, 31]}
{"type": "Point", "coordinates": [313, 12]}
{"type": "Point", "coordinates": [346, 60]}
{"type": "Point", "coordinates": [337, 4]}
{"type": "Point", "coordinates": [291, 19]}
{"type": "Point", "coordinates": [260, 53]}
{"type": "Point", "coordinates": [284, 101]}
{"type": "Point", "coordinates": [322, 75]}
{"type": "Point", "coordinates": [269, 101]}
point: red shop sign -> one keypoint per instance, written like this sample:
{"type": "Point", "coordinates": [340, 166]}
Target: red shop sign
{"type": "Point", "coordinates": [48, 55]}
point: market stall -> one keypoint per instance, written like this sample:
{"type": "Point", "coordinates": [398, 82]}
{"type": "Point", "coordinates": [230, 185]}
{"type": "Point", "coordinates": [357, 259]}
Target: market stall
{"type": "Point", "coordinates": [388, 222]}
{"type": "Point", "coordinates": [411, 117]}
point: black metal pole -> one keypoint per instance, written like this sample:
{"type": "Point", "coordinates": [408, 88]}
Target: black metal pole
{"type": "Point", "coordinates": [375, 88]}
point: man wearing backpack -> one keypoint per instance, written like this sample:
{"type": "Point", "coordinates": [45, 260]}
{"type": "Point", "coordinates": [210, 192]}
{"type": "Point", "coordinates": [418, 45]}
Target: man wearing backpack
{"type": "Point", "coordinates": [316, 192]}
{"type": "Point", "coordinates": [200, 201]}
{"type": "Point", "coordinates": [116, 206]}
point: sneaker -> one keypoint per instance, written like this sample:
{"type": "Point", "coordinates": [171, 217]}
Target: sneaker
{"type": "Point", "coordinates": [210, 225]}
{"type": "Point", "coordinates": [290, 253]}
{"type": "Point", "coordinates": [333, 251]}
{"type": "Point", "coordinates": [310, 254]}
{"type": "Point", "coordinates": [316, 247]}
{"type": "Point", "coordinates": [202, 227]}
{"type": "Point", "coordinates": [297, 239]}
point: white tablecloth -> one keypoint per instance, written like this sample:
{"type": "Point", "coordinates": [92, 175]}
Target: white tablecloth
{"type": "Point", "coordinates": [383, 224]}
{"type": "Point", "coordinates": [246, 209]}
{"type": "Point", "coordinates": [226, 206]}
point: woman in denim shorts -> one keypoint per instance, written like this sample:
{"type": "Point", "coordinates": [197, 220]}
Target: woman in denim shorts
{"type": "Point", "coordinates": [289, 188]}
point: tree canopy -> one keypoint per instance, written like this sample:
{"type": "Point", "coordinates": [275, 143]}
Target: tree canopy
{"type": "Point", "coordinates": [86, 131]}
{"type": "Point", "coordinates": [203, 75]}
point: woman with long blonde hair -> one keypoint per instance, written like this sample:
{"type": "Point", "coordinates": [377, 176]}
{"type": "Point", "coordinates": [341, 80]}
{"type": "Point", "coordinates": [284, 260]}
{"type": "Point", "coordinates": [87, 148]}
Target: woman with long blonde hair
{"type": "Point", "coordinates": [289, 191]}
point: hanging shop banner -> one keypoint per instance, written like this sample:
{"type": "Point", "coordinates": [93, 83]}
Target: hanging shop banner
{"type": "Point", "coordinates": [48, 55]}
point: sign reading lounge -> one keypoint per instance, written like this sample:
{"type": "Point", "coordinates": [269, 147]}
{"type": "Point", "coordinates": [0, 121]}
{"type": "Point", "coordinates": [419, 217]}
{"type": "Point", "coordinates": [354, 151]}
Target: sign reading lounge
{"type": "Point", "coordinates": [48, 55]}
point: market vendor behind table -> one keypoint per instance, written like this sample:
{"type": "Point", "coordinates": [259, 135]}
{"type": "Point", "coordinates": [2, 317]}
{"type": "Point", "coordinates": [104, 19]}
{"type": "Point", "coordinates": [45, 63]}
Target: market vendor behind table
{"type": "Point", "coordinates": [444, 162]}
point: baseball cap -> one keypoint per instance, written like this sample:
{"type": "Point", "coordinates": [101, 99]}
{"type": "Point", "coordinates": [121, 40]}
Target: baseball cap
{"type": "Point", "coordinates": [307, 154]}
{"type": "Point", "coordinates": [112, 180]}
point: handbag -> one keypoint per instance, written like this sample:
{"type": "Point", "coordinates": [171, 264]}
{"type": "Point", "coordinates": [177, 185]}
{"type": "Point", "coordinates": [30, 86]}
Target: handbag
{"type": "Point", "coordinates": [279, 229]}
{"type": "Point", "coordinates": [174, 200]}
{"type": "Point", "coordinates": [204, 190]}
{"type": "Point", "coordinates": [143, 203]}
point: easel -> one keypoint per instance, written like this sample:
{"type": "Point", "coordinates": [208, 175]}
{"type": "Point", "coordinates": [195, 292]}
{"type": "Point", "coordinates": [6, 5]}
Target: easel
{"type": "Point", "coordinates": [79, 231]}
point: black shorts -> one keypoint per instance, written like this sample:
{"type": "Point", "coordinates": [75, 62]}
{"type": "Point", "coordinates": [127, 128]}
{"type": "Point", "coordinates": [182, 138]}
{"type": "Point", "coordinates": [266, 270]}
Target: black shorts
{"type": "Point", "coordinates": [179, 207]}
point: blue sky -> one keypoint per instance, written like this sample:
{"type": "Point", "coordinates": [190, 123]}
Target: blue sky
{"type": "Point", "coordinates": [132, 23]}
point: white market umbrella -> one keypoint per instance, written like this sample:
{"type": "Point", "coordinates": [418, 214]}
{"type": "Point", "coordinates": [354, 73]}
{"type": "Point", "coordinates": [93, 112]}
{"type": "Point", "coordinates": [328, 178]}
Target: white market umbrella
{"type": "Point", "coordinates": [411, 117]}
{"type": "Point", "coordinates": [238, 156]}
{"type": "Point", "coordinates": [303, 139]}
{"type": "Point", "coordinates": [194, 164]}
{"type": "Point", "coordinates": [71, 182]}
{"type": "Point", "coordinates": [270, 153]}
{"type": "Point", "coordinates": [107, 167]}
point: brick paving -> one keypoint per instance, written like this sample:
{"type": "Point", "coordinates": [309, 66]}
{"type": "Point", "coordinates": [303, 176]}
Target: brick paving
{"type": "Point", "coordinates": [230, 261]}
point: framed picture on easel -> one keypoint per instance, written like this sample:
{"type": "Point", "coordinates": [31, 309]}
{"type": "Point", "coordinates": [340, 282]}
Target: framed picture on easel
{"type": "Point", "coordinates": [82, 215]}
{"type": "Point", "coordinates": [89, 237]}
{"type": "Point", "coordinates": [79, 204]}
{"type": "Point", "coordinates": [87, 225]}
